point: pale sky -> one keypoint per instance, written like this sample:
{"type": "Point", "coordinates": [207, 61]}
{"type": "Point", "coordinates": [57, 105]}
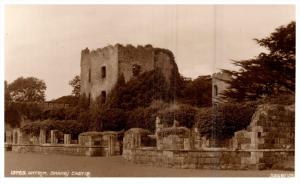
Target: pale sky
{"type": "Point", "coordinates": [45, 41]}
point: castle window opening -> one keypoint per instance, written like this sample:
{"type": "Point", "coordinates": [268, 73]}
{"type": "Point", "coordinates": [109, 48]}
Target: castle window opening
{"type": "Point", "coordinates": [103, 97]}
{"type": "Point", "coordinates": [90, 75]}
{"type": "Point", "coordinates": [216, 90]}
{"type": "Point", "coordinates": [258, 134]}
{"type": "Point", "coordinates": [89, 98]}
{"type": "Point", "coordinates": [136, 69]}
{"type": "Point", "coordinates": [103, 72]}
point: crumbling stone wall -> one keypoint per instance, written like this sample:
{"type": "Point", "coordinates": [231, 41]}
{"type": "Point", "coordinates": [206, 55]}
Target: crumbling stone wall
{"type": "Point", "coordinates": [271, 127]}
{"type": "Point", "coordinates": [129, 56]}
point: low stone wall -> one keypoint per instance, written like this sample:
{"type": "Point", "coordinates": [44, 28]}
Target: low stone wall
{"type": "Point", "coordinates": [90, 143]}
{"type": "Point", "coordinates": [71, 149]}
{"type": "Point", "coordinates": [209, 159]}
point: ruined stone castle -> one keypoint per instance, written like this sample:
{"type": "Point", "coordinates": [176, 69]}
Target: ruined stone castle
{"type": "Point", "coordinates": [101, 68]}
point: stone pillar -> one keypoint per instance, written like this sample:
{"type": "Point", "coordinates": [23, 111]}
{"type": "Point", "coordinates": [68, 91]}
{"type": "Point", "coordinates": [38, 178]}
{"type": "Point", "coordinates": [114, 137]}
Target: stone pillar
{"type": "Point", "coordinates": [67, 138]}
{"type": "Point", "coordinates": [54, 139]}
{"type": "Point", "coordinates": [158, 125]}
{"type": "Point", "coordinates": [186, 144]}
{"type": "Point", "coordinates": [110, 146]}
{"type": "Point", "coordinates": [136, 140]}
{"type": "Point", "coordinates": [42, 138]}
{"type": "Point", "coordinates": [8, 137]}
{"type": "Point", "coordinates": [90, 141]}
{"type": "Point", "coordinates": [16, 136]}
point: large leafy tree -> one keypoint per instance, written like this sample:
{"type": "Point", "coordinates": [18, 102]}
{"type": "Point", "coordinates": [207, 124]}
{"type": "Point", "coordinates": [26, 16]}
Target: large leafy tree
{"type": "Point", "coordinates": [28, 89]}
{"type": "Point", "coordinates": [75, 83]}
{"type": "Point", "coordinates": [268, 74]}
{"type": "Point", "coordinates": [7, 97]}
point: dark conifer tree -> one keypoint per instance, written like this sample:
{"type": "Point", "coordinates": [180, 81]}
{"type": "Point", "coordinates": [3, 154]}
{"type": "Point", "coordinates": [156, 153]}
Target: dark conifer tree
{"type": "Point", "coordinates": [268, 74]}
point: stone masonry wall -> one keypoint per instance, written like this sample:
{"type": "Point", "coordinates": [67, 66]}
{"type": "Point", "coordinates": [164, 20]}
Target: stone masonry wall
{"type": "Point", "coordinates": [271, 127]}
{"type": "Point", "coordinates": [92, 62]}
{"type": "Point", "coordinates": [130, 56]}
{"type": "Point", "coordinates": [61, 149]}
{"type": "Point", "coordinates": [203, 159]}
{"type": "Point", "coordinates": [175, 138]}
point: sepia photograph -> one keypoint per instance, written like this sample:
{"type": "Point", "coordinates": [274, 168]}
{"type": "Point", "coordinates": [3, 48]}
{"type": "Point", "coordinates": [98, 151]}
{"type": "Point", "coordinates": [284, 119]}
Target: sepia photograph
{"type": "Point", "coordinates": [174, 90]}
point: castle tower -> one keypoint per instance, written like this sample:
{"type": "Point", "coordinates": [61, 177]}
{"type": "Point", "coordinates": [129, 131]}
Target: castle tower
{"type": "Point", "coordinates": [219, 85]}
{"type": "Point", "coordinates": [101, 68]}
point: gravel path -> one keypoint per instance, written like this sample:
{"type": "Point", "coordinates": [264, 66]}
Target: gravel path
{"type": "Point", "coordinates": [32, 164]}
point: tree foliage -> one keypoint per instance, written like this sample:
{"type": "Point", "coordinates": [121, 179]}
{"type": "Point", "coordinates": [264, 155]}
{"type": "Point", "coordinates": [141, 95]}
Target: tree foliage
{"type": "Point", "coordinates": [269, 73]}
{"type": "Point", "coordinates": [28, 89]}
{"type": "Point", "coordinates": [197, 92]}
{"type": "Point", "coordinates": [183, 113]}
{"type": "Point", "coordinates": [222, 121]}
{"type": "Point", "coordinates": [140, 92]}
{"type": "Point", "coordinates": [12, 116]}
{"type": "Point", "coordinates": [144, 117]}
{"type": "Point", "coordinates": [7, 96]}
{"type": "Point", "coordinates": [16, 112]}
{"type": "Point", "coordinates": [105, 119]}
{"type": "Point", "coordinates": [67, 126]}
{"type": "Point", "coordinates": [75, 83]}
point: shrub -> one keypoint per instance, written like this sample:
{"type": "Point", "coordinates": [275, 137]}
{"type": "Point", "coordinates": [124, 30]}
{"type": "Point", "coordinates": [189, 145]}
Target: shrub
{"type": "Point", "coordinates": [145, 117]}
{"type": "Point", "coordinates": [15, 112]}
{"type": "Point", "coordinates": [203, 120]}
{"type": "Point", "coordinates": [184, 114]}
{"type": "Point", "coordinates": [85, 118]}
{"type": "Point", "coordinates": [66, 126]}
{"type": "Point", "coordinates": [141, 118]}
{"type": "Point", "coordinates": [12, 116]}
{"type": "Point", "coordinates": [72, 113]}
{"type": "Point", "coordinates": [103, 119]}
{"type": "Point", "coordinates": [223, 120]}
